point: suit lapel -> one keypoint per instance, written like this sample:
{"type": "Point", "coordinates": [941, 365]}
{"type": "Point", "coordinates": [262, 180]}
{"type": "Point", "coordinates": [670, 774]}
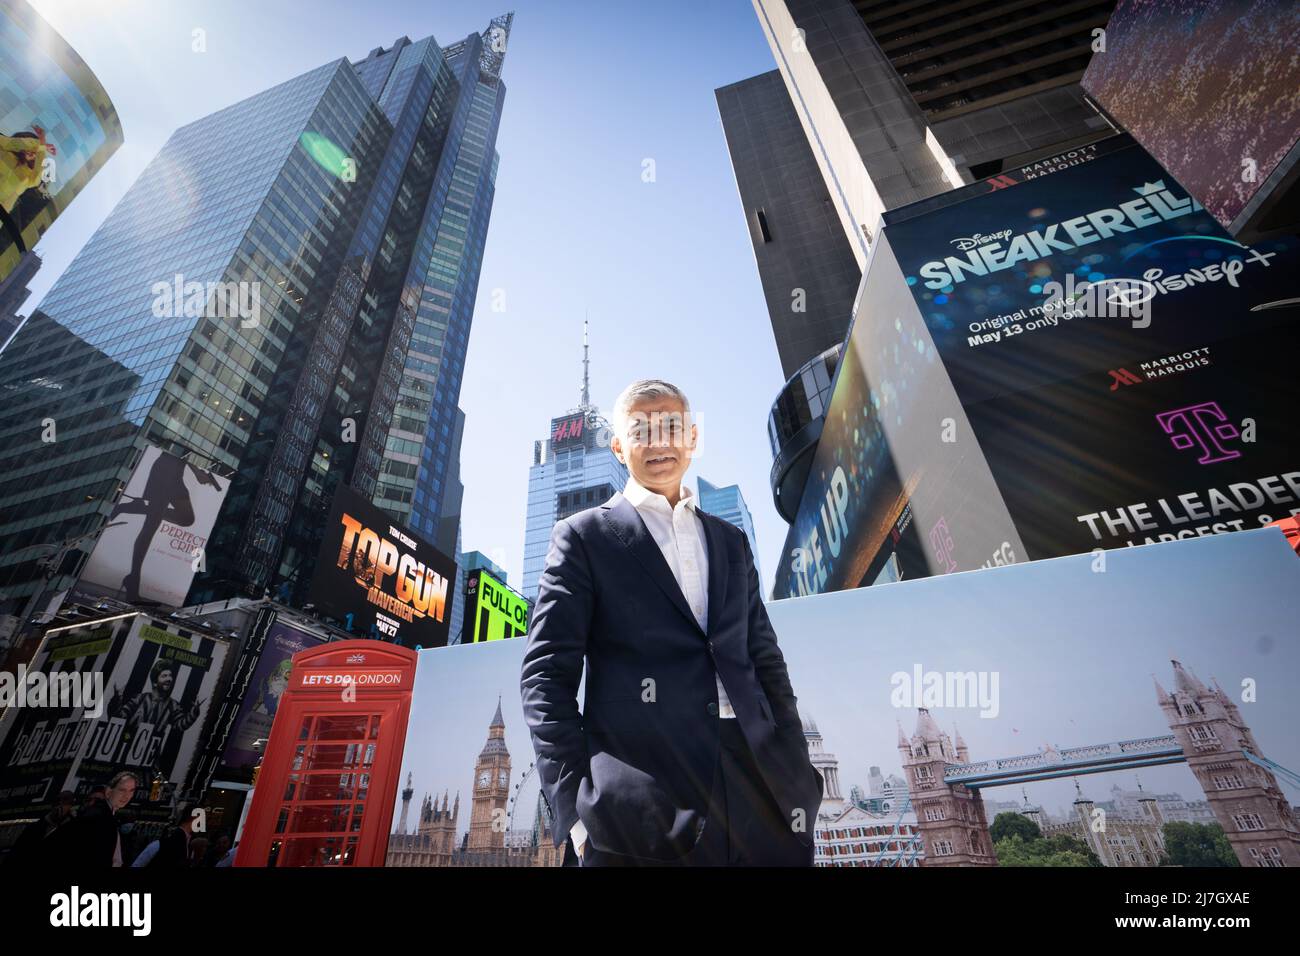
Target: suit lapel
{"type": "Point", "coordinates": [717, 566]}
{"type": "Point", "coordinates": [631, 530]}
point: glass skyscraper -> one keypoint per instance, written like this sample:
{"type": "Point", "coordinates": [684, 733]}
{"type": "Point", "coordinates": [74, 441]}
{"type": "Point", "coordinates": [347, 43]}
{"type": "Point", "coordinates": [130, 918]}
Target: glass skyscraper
{"type": "Point", "coordinates": [573, 470]}
{"type": "Point", "coordinates": [476, 560]}
{"type": "Point", "coordinates": [726, 502]}
{"type": "Point", "coordinates": [351, 204]}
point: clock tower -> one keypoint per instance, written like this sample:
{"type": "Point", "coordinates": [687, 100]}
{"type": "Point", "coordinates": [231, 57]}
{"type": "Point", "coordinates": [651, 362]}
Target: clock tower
{"type": "Point", "coordinates": [491, 790]}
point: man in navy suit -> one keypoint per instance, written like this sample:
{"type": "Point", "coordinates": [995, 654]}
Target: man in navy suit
{"type": "Point", "coordinates": [689, 749]}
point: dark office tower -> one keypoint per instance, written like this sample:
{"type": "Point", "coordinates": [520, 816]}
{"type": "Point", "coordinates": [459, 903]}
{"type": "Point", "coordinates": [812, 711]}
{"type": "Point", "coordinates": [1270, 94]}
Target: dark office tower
{"type": "Point", "coordinates": [805, 264]}
{"type": "Point", "coordinates": [14, 292]}
{"type": "Point", "coordinates": [895, 101]}
{"type": "Point", "coordinates": [448, 528]}
{"type": "Point", "coordinates": [351, 205]}
{"type": "Point", "coordinates": [448, 538]}
{"type": "Point", "coordinates": [449, 251]}
{"type": "Point", "coordinates": [903, 99]}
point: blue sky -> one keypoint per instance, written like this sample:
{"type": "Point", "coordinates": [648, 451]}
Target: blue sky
{"type": "Point", "coordinates": [664, 270]}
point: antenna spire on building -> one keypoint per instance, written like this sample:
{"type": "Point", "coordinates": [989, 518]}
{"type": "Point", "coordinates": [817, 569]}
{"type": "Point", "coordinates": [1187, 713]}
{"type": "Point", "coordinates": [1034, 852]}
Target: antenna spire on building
{"type": "Point", "coordinates": [586, 367]}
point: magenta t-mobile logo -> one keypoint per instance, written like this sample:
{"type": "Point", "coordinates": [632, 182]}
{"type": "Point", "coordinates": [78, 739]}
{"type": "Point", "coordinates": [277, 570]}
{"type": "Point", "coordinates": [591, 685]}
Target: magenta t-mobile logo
{"type": "Point", "coordinates": [1202, 427]}
{"type": "Point", "coordinates": [941, 542]}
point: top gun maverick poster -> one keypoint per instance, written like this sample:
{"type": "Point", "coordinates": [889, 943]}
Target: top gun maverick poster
{"type": "Point", "coordinates": [381, 578]}
{"type": "Point", "coordinates": [1070, 356]}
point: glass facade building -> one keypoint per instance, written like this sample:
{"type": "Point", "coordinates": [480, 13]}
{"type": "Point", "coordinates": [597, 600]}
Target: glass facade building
{"type": "Point", "coordinates": [572, 471]}
{"type": "Point", "coordinates": [417, 447]}
{"type": "Point", "coordinates": [14, 292]}
{"type": "Point", "coordinates": [726, 502]}
{"type": "Point", "coordinates": [353, 219]}
{"type": "Point", "coordinates": [48, 96]}
{"type": "Point", "coordinates": [794, 427]}
{"type": "Point", "coordinates": [477, 560]}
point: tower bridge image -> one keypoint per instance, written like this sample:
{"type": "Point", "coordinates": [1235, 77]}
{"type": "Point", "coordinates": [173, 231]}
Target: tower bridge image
{"type": "Point", "coordinates": [1051, 763]}
{"type": "Point", "coordinates": [1209, 735]}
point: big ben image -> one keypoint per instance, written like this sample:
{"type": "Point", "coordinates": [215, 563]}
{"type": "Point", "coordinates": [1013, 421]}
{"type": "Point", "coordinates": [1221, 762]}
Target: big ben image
{"type": "Point", "coordinates": [508, 825]}
{"type": "Point", "coordinates": [487, 817]}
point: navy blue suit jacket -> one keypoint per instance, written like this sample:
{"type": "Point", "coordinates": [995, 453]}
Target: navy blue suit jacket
{"type": "Point", "coordinates": [636, 765]}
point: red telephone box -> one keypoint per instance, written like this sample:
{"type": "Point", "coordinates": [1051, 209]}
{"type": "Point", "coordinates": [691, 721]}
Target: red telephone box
{"type": "Point", "coordinates": [328, 781]}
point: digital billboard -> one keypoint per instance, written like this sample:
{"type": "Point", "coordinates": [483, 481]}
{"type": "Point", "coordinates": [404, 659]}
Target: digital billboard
{"type": "Point", "coordinates": [158, 683]}
{"type": "Point", "coordinates": [568, 430]}
{"type": "Point", "coordinates": [1075, 358]}
{"type": "Point", "coordinates": [381, 578]}
{"type": "Point", "coordinates": [153, 543]}
{"type": "Point", "coordinates": [57, 128]}
{"type": "Point", "coordinates": [495, 611]}
{"type": "Point", "coordinates": [1172, 74]}
{"type": "Point", "coordinates": [266, 686]}
{"type": "Point", "coordinates": [884, 483]}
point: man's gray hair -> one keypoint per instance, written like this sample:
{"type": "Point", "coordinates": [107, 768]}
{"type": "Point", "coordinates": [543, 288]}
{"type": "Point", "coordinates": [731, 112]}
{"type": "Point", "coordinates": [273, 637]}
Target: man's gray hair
{"type": "Point", "coordinates": [642, 389]}
{"type": "Point", "coordinates": [121, 775]}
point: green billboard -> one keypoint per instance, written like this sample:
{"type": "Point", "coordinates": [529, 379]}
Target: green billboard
{"type": "Point", "coordinates": [493, 611]}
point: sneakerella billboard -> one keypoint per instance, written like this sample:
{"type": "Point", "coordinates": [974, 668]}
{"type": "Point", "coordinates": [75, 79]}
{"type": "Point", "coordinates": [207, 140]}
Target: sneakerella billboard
{"type": "Point", "coordinates": [1073, 356]}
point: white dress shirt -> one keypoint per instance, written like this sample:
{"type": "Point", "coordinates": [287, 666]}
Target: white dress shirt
{"type": "Point", "coordinates": [679, 532]}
